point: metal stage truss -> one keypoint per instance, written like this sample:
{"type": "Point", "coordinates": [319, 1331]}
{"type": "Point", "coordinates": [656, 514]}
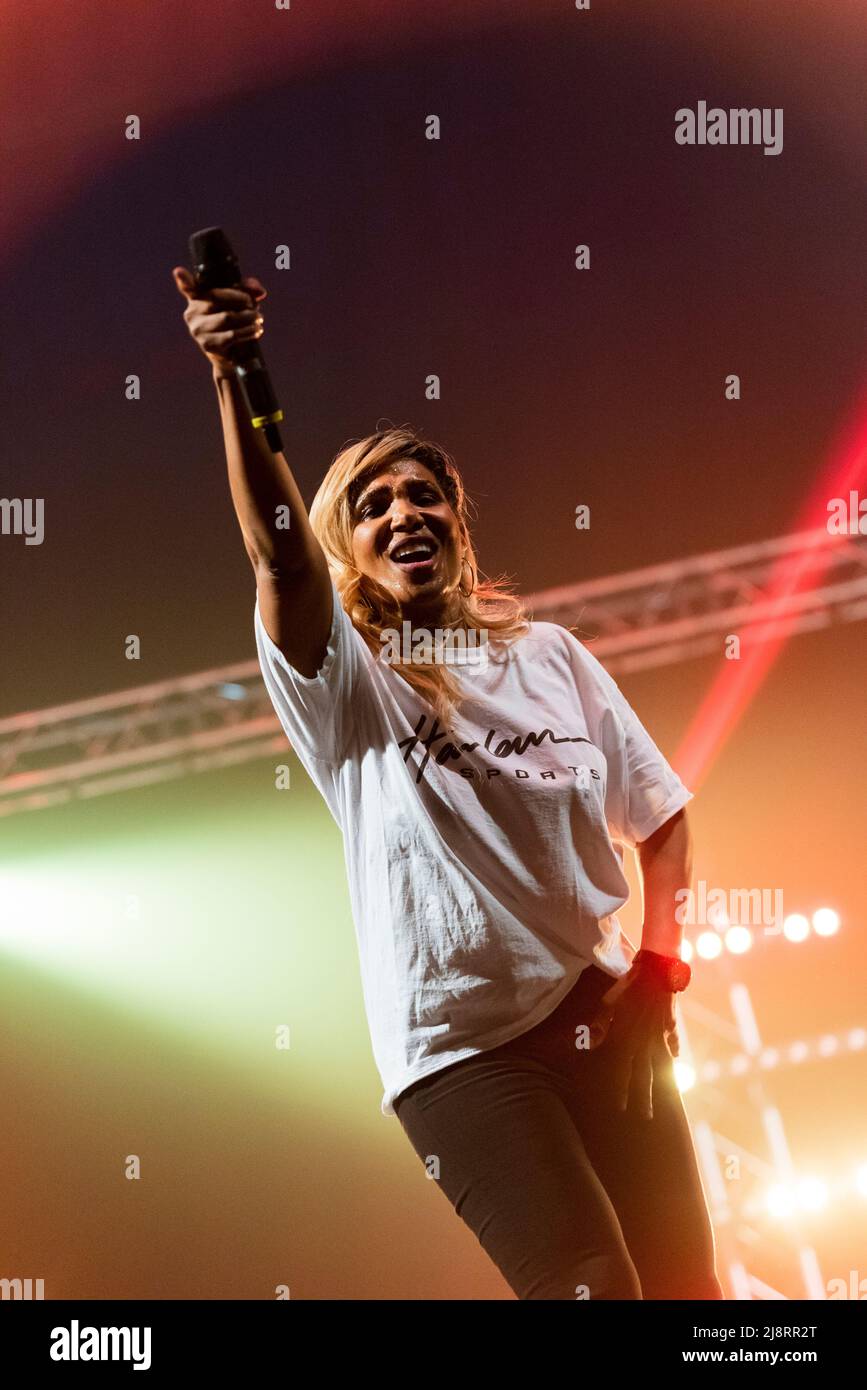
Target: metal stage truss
{"type": "Point", "coordinates": [645, 618]}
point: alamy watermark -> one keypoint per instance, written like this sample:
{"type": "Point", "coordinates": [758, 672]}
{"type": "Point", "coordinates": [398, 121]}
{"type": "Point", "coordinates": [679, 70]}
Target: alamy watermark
{"type": "Point", "coordinates": [23, 516]}
{"type": "Point", "coordinates": [738, 126]}
{"type": "Point", "coordinates": [847, 517]}
{"type": "Point", "coordinates": [449, 646]}
{"type": "Point", "coordinates": [77, 1343]}
{"type": "Point", "coordinates": [22, 1289]}
{"type": "Point", "coordinates": [733, 907]}
{"type": "Point", "coordinates": [855, 1287]}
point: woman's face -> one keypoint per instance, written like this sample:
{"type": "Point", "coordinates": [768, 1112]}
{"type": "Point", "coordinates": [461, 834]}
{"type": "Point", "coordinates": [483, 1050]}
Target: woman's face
{"type": "Point", "coordinates": [408, 539]}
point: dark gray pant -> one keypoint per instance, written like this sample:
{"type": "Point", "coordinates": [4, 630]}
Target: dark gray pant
{"type": "Point", "coordinates": [569, 1197]}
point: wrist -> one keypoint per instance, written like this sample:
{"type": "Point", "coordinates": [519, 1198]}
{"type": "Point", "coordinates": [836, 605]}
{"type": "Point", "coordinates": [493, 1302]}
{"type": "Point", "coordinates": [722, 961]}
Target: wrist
{"type": "Point", "coordinates": [663, 938]}
{"type": "Point", "coordinates": [668, 971]}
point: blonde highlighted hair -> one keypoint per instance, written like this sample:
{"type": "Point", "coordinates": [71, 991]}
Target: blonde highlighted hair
{"type": "Point", "coordinates": [490, 605]}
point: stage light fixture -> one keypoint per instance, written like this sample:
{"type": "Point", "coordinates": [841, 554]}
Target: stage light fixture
{"type": "Point", "coordinates": [780, 1201]}
{"type": "Point", "coordinates": [709, 945]}
{"type": "Point", "coordinates": [826, 921]}
{"type": "Point", "coordinates": [738, 940]}
{"type": "Point", "coordinates": [796, 927]}
{"type": "Point", "coordinates": [812, 1194]}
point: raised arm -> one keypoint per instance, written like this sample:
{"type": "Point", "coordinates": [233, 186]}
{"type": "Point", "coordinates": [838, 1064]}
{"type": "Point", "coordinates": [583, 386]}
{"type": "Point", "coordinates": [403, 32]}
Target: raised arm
{"type": "Point", "coordinates": [292, 579]}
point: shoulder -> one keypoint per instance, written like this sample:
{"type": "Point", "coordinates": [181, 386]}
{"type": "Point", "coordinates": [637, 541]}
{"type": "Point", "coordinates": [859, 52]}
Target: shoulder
{"type": "Point", "coordinates": [559, 648]}
{"type": "Point", "coordinates": [544, 634]}
{"type": "Point", "coordinates": [537, 642]}
{"type": "Point", "coordinates": [555, 640]}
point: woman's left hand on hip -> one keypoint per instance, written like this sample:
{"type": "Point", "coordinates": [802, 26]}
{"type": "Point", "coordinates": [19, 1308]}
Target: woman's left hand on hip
{"type": "Point", "coordinates": [634, 1018]}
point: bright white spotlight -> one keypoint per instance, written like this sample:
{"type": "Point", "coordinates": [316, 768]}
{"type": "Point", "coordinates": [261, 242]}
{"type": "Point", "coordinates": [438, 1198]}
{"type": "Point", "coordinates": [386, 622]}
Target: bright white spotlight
{"type": "Point", "coordinates": [684, 1075]}
{"type": "Point", "coordinates": [798, 1051]}
{"type": "Point", "coordinates": [826, 921]}
{"type": "Point", "coordinates": [780, 1201]}
{"type": "Point", "coordinates": [34, 915]}
{"type": "Point", "coordinates": [709, 945]}
{"type": "Point", "coordinates": [13, 906]}
{"type": "Point", "coordinates": [686, 951]}
{"type": "Point", "coordinates": [857, 1038]}
{"type": "Point", "coordinates": [796, 927]}
{"type": "Point", "coordinates": [738, 940]}
{"type": "Point", "coordinates": [812, 1194]}
{"type": "Point", "coordinates": [770, 1057]}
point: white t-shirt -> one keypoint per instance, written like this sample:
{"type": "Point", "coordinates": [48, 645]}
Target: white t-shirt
{"type": "Point", "coordinates": [484, 859]}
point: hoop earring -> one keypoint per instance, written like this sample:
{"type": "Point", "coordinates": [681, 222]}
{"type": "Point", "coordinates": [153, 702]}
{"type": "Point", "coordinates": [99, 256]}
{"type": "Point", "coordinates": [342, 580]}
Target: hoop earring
{"type": "Point", "coordinates": [466, 592]}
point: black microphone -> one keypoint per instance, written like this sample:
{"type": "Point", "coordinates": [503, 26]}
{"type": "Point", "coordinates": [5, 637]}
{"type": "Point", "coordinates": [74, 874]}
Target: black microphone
{"type": "Point", "coordinates": [215, 266]}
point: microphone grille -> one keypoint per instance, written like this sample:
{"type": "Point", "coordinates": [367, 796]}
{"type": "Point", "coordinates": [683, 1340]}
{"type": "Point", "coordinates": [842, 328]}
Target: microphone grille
{"type": "Point", "coordinates": [214, 260]}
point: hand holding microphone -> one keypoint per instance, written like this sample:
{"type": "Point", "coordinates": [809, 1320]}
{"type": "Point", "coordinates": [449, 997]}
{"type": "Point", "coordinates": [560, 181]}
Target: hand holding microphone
{"type": "Point", "coordinates": [224, 320]}
{"type": "Point", "coordinates": [220, 318]}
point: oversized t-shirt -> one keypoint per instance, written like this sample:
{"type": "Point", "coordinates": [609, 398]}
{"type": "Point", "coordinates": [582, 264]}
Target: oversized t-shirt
{"type": "Point", "coordinates": [484, 857]}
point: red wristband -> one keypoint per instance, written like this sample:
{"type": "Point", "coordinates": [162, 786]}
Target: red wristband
{"type": "Point", "coordinates": [669, 972]}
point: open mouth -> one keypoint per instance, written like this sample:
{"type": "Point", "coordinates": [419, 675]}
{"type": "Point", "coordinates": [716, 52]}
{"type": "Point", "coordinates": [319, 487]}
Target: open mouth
{"type": "Point", "coordinates": [415, 556]}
